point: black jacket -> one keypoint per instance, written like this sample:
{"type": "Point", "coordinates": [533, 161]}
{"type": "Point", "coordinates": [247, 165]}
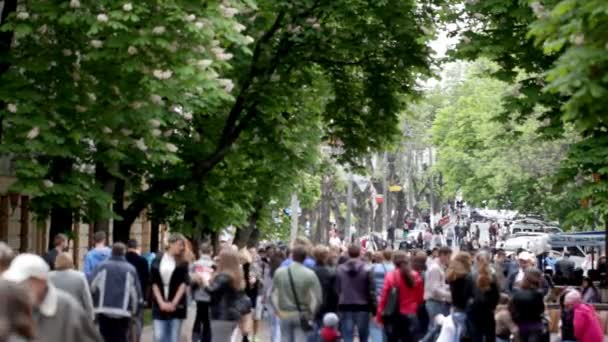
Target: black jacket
{"type": "Point", "coordinates": [143, 272]}
{"type": "Point", "coordinates": [50, 257]}
{"type": "Point", "coordinates": [180, 276]}
{"type": "Point", "coordinates": [527, 306]}
{"type": "Point", "coordinates": [327, 279]}
{"type": "Point", "coordinates": [224, 298]}
{"type": "Point", "coordinates": [462, 290]}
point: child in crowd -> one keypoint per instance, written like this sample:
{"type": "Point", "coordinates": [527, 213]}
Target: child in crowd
{"type": "Point", "coordinates": [329, 332]}
{"type": "Point", "coordinates": [505, 327]}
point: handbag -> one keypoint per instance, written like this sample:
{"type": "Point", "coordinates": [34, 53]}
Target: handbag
{"type": "Point", "coordinates": [305, 322]}
{"type": "Point", "coordinates": [243, 303]}
{"type": "Point", "coordinates": [391, 309]}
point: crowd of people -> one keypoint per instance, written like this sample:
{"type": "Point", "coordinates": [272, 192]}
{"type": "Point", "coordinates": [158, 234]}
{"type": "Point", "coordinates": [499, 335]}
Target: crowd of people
{"type": "Point", "coordinates": [306, 293]}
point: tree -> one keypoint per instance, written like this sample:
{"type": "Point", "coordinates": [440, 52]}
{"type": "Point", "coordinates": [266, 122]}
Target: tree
{"type": "Point", "coordinates": [504, 164]}
{"type": "Point", "coordinates": [113, 107]}
{"type": "Point", "coordinates": [560, 47]}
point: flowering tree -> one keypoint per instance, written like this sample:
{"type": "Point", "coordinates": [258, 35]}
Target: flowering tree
{"type": "Point", "coordinates": [132, 105]}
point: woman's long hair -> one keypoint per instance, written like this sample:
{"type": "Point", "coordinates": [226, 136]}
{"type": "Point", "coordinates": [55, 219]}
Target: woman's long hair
{"type": "Point", "coordinates": [15, 312]}
{"type": "Point", "coordinates": [229, 263]}
{"type": "Point", "coordinates": [459, 267]}
{"type": "Point", "coordinates": [484, 272]}
{"type": "Point", "coordinates": [402, 263]}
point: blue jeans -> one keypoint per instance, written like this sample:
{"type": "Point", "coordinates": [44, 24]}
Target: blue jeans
{"type": "Point", "coordinates": [348, 320]}
{"type": "Point", "coordinates": [460, 320]}
{"type": "Point", "coordinates": [376, 332]}
{"type": "Point", "coordinates": [291, 331]}
{"type": "Point", "coordinates": [167, 330]}
{"type": "Point", "coordinates": [275, 325]}
{"type": "Point", "coordinates": [434, 308]}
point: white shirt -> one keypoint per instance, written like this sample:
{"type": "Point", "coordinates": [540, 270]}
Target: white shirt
{"type": "Point", "coordinates": [167, 266]}
{"type": "Point", "coordinates": [335, 241]}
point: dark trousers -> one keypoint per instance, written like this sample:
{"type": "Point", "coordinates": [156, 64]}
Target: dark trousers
{"type": "Point", "coordinates": [401, 329]}
{"type": "Point", "coordinates": [201, 322]}
{"type": "Point", "coordinates": [114, 329]}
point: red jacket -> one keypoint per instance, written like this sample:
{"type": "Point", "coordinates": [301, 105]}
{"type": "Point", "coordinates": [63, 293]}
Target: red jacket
{"type": "Point", "coordinates": [409, 298]}
{"type": "Point", "coordinates": [587, 326]}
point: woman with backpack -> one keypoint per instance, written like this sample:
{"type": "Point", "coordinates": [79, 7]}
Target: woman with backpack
{"type": "Point", "coordinates": [401, 295]}
{"type": "Point", "coordinates": [458, 276]}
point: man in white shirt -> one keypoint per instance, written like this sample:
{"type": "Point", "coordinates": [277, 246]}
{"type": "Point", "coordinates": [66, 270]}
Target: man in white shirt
{"type": "Point", "coordinates": [437, 294]}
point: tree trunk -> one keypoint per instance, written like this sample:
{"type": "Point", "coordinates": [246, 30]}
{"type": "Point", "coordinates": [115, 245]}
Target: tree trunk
{"type": "Point", "coordinates": [154, 233]}
{"type": "Point", "coordinates": [108, 184]}
{"type": "Point", "coordinates": [61, 217]}
{"type": "Point", "coordinates": [122, 228]}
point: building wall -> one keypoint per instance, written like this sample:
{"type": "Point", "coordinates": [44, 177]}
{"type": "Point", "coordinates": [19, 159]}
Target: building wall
{"type": "Point", "coordinates": [25, 233]}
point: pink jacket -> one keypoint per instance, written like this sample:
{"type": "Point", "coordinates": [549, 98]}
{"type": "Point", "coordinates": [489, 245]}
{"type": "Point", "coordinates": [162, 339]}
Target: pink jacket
{"type": "Point", "coordinates": [587, 324]}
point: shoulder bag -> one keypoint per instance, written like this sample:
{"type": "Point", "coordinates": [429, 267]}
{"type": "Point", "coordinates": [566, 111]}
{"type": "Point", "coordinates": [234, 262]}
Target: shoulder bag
{"type": "Point", "coordinates": [391, 309]}
{"type": "Point", "coordinates": [305, 321]}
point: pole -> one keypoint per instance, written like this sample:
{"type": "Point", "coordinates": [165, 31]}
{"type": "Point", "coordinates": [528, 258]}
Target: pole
{"type": "Point", "coordinates": [385, 193]}
{"type": "Point", "coordinates": [294, 217]}
{"type": "Point", "coordinates": [349, 207]}
{"type": "Point", "coordinates": [431, 190]}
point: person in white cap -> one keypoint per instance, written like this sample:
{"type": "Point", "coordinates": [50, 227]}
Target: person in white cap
{"type": "Point", "coordinates": [57, 315]}
{"type": "Point", "coordinates": [525, 260]}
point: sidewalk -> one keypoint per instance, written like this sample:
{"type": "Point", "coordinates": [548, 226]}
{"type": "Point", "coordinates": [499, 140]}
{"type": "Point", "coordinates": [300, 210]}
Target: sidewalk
{"type": "Point", "coordinates": [147, 333]}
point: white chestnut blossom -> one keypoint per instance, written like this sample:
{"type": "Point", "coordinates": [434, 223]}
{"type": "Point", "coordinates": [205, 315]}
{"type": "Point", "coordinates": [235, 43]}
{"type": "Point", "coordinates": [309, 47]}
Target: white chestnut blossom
{"type": "Point", "coordinates": [157, 132]}
{"type": "Point", "coordinates": [141, 144]}
{"type": "Point", "coordinates": [48, 183]}
{"type": "Point", "coordinates": [199, 25]}
{"type": "Point", "coordinates": [96, 43]}
{"type": "Point", "coordinates": [249, 40]}
{"type": "Point", "coordinates": [204, 63]}
{"type": "Point", "coordinates": [187, 116]}
{"type": "Point", "coordinates": [127, 7]}
{"type": "Point", "coordinates": [171, 148]}
{"type": "Point", "coordinates": [74, 3]}
{"type": "Point", "coordinates": [466, 40]}
{"type": "Point", "coordinates": [224, 56]}
{"type": "Point", "coordinates": [33, 133]}
{"type": "Point", "coordinates": [228, 12]}
{"type": "Point", "coordinates": [132, 50]}
{"type": "Point", "coordinates": [238, 27]}
{"type": "Point", "coordinates": [478, 16]}
{"type": "Point", "coordinates": [316, 26]}
{"type": "Point", "coordinates": [102, 18]}
{"type": "Point", "coordinates": [168, 133]}
{"type": "Point", "coordinates": [156, 99]}
{"type": "Point", "coordinates": [311, 20]}
{"type": "Point", "coordinates": [106, 130]}
{"type": "Point", "coordinates": [126, 131]}
{"type": "Point", "coordinates": [154, 123]}
{"type": "Point", "coordinates": [23, 15]}
{"type": "Point", "coordinates": [158, 30]}
{"type": "Point", "coordinates": [227, 84]}
{"type": "Point", "coordinates": [191, 17]}
{"type": "Point", "coordinates": [66, 52]}
{"type": "Point", "coordinates": [114, 142]}
{"type": "Point", "coordinates": [578, 39]}
{"type": "Point", "coordinates": [81, 109]}
{"type": "Point", "coordinates": [43, 29]}
{"type": "Point", "coordinates": [92, 97]}
{"type": "Point", "coordinates": [11, 107]}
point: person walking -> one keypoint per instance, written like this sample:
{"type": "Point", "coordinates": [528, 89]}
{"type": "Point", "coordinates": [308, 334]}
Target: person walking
{"type": "Point", "coordinates": [379, 270]}
{"type": "Point", "coordinates": [296, 296]}
{"type": "Point", "coordinates": [169, 281]}
{"type": "Point", "coordinates": [564, 270]}
{"type": "Point", "coordinates": [437, 295]}
{"type": "Point", "coordinates": [60, 244]}
{"type": "Point", "coordinates": [485, 299]}
{"type": "Point", "coordinates": [57, 316]}
{"type": "Point", "coordinates": [202, 270]}
{"type": "Point", "coordinates": [460, 280]}
{"type": "Point", "coordinates": [587, 326]}
{"type": "Point", "coordinates": [16, 316]}
{"type": "Point", "coordinates": [410, 290]}
{"type": "Point", "coordinates": [355, 296]}
{"type": "Point", "coordinates": [96, 255]}
{"type": "Point", "coordinates": [226, 290]}
{"type": "Point", "coordinates": [525, 261]}
{"type": "Point", "coordinates": [140, 263]}
{"type": "Point", "coordinates": [117, 295]}
{"type": "Point", "coordinates": [327, 280]}
{"type": "Point", "coordinates": [64, 277]}
{"type": "Point", "coordinates": [528, 308]}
